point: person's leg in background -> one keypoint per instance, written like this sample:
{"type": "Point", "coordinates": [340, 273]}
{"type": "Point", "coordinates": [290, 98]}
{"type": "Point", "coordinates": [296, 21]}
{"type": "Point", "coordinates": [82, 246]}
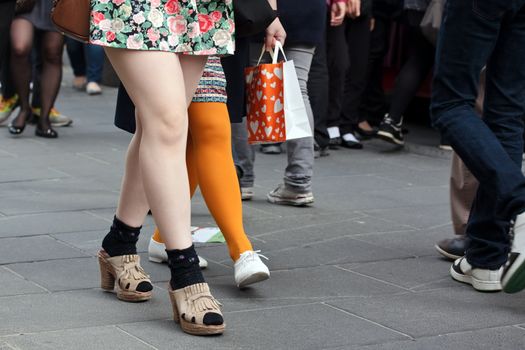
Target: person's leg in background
{"type": "Point", "coordinates": [337, 61]}
{"type": "Point", "coordinates": [51, 46]}
{"type": "Point", "coordinates": [319, 95]}
{"type": "Point", "coordinates": [243, 153]}
{"type": "Point", "coordinates": [491, 148]}
{"type": "Point", "coordinates": [358, 43]}
{"type": "Point", "coordinates": [412, 75]}
{"type": "Point", "coordinates": [373, 103]}
{"type": "Point", "coordinates": [77, 59]}
{"type": "Point", "coordinates": [22, 34]}
{"type": "Point", "coordinates": [463, 189]}
{"type": "Point", "coordinates": [56, 118]}
{"type": "Point", "coordinates": [95, 65]}
{"type": "Point", "coordinates": [297, 188]}
{"type": "Point", "coordinates": [8, 98]}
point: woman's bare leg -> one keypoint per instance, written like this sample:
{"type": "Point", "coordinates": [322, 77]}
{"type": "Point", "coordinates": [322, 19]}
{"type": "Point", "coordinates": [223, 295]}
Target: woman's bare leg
{"type": "Point", "coordinates": [161, 92]}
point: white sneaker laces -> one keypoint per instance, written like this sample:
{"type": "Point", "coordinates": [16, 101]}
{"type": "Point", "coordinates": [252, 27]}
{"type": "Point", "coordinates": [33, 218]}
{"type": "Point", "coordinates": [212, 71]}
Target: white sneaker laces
{"type": "Point", "coordinates": [250, 254]}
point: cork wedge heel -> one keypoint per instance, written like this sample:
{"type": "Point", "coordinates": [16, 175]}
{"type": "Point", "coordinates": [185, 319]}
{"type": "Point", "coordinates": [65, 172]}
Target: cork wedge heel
{"type": "Point", "coordinates": [124, 274]}
{"type": "Point", "coordinates": [190, 307]}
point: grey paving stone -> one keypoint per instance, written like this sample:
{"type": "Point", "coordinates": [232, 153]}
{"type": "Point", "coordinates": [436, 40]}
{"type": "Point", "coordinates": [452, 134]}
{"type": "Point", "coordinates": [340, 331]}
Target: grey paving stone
{"type": "Point", "coordinates": [486, 339]}
{"type": "Point", "coordinates": [38, 224]}
{"type": "Point", "coordinates": [317, 283]}
{"type": "Point", "coordinates": [420, 216]}
{"type": "Point", "coordinates": [81, 339]}
{"type": "Point", "coordinates": [300, 233]}
{"type": "Point", "coordinates": [37, 248]}
{"type": "Point", "coordinates": [76, 309]}
{"type": "Point", "coordinates": [409, 273]}
{"type": "Point", "coordinates": [458, 308]}
{"type": "Point", "coordinates": [13, 284]}
{"type": "Point", "coordinates": [263, 329]}
{"type": "Point", "coordinates": [416, 243]}
{"type": "Point", "coordinates": [336, 251]}
{"type": "Point", "coordinates": [62, 274]}
{"type": "Point", "coordinates": [80, 199]}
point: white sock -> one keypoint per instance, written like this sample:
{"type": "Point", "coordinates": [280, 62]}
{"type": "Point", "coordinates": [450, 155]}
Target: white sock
{"type": "Point", "coordinates": [350, 137]}
{"type": "Point", "coordinates": [333, 132]}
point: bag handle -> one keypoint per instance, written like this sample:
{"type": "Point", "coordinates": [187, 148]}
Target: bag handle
{"type": "Point", "coordinates": [273, 53]}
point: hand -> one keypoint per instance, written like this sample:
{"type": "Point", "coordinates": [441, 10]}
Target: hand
{"type": "Point", "coordinates": [337, 13]}
{"type": "Point", "coordinates": [372, 24]}
{"type": "Point", "coordinates": [274, 32]}
{"type": "Point", "coordinates": [354, 8]}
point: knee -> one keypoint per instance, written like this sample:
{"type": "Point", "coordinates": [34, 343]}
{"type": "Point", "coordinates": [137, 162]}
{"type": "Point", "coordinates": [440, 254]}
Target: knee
{"type": "Point", "coordinates": [165, 126]}
{"type": "Point", "coordinates": [20, 50]}
{"type": "Point", "coordinates": [52, 56]}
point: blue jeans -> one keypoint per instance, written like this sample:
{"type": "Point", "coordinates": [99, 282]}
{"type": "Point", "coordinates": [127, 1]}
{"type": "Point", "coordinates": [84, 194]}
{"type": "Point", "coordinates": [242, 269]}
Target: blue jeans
{"type": "Point", "coordinates": [86, 60]}
{"type": "Point", "coordinates": [476, 33]}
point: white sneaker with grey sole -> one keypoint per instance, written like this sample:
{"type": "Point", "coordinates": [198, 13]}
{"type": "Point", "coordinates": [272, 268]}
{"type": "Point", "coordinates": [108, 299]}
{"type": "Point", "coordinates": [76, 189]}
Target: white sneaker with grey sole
{"type": "Point", "coordinates": [483, 280]}
{"type": "Point", "coordinates": [284, 196]}
{"type": "Point", "coordinates": [249, 269]}
{"type": "Point", "coordinates": [513, 279]}
{"type": "Point", "coordinates": [157, 254]}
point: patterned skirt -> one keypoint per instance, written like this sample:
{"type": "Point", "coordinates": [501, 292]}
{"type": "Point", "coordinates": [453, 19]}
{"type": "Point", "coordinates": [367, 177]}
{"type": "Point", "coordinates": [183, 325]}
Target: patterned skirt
{"type": "Point", "coordinates": [195, 27]}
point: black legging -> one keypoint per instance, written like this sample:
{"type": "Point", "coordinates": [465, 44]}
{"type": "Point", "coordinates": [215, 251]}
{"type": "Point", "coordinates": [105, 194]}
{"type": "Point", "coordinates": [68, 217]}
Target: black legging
{"type": "Point", "coordinates": [51, 46]}
{"type": "Point", "coordinates": [414, 71]}
{"type": "Point", "coordinates": [358, 43]}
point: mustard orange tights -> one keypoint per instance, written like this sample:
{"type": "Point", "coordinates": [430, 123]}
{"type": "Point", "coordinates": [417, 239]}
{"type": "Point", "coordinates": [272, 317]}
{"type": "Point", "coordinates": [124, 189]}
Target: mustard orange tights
{"type": "Point", "coordinates": [210, 166]}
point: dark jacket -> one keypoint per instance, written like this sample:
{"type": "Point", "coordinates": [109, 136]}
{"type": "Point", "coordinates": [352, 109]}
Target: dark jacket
{"type": "Point", "coordinates": [303, 20]}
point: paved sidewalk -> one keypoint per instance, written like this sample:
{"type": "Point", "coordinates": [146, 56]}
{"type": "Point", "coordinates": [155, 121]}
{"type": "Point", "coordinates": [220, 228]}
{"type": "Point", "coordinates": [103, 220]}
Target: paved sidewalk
{"type": "Point", "coordinates": [356, 271]}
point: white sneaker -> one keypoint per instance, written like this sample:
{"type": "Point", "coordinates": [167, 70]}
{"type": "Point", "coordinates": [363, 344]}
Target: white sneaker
{"type": "Point", "coordinates": [157, 254]}
{"type": "Point", "coordinates": [513, 279]}
{"type": "Point", "coordinates": [249, 269]}
{"type": "Point", "coordinates": [481, 279]}
{"type": "Point", "coordinates": [92, 88]}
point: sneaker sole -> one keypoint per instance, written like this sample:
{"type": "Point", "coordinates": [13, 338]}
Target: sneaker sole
{"type": "Point", "coordinates": [255, 278]}
{"type": "Point", "coordinates": [296, 203]}
{"type": "Point", "coordinates": [385, 136]}
{"type": "Point", "coordinates": [514, 279]}
{"type": "Point", "coordinates": [447, 254]}
{"type": "Point", "coordinates": [479, 285]}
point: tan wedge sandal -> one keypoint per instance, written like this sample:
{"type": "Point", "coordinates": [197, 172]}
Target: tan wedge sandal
{"type": "Point", "coordinates": [190, 306]}
{"type": "Point", "coordinates": [127, 272]}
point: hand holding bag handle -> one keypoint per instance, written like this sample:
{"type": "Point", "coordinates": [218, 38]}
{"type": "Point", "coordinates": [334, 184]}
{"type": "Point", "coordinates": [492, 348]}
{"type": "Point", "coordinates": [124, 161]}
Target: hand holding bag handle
{"type": "Point", "coordinates": [273, 53]}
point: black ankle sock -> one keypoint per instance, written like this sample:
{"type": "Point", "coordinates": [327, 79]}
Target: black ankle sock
{"type": "Point", "coordinates": [184, 266]}
{"type": "Point", "coordinates": [121, 239]}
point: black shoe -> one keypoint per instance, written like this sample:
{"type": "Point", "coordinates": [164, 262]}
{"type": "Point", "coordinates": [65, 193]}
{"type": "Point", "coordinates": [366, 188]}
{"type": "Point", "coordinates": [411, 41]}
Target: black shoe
{"type": "Point", "coordinates": [351, 142]}
{"type": "Point", "coordinates": [390, 132]}
{"type": "Point", "coordinates": [334, 143]}
{"type": "Point", "coordinates": [452, 248]}
{"type": "Point", "coordinates": [48, 133]}
{"type": "Point", "coordinates": [16, 130]}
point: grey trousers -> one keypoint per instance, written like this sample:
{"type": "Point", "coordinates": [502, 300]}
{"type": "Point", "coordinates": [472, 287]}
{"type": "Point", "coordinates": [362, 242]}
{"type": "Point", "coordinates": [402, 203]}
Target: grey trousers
{"type": "Point", "coordinates": [299, 171]}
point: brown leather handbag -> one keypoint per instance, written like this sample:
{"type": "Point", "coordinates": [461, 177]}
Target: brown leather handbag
{"type": "Point", "coordinates": [71, 17]}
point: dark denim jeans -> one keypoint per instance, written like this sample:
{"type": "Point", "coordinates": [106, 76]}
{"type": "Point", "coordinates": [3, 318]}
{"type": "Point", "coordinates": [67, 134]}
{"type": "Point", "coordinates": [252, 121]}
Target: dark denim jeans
{"type": "Point", "coordinates": [476, 33]}
{"type": "Point", "coordinates": [86, 60]}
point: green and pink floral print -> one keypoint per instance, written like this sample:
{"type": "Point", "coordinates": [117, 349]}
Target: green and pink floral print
{"type": "Point", "coordinates": [195, 27]}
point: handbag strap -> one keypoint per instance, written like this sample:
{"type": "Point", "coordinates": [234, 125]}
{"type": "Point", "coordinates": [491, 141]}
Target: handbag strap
{"type": "Point", "coordinates": [273, 53]}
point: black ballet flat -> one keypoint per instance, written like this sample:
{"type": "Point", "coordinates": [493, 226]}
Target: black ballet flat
{"type": "Point", "coordinates": [48, 133]}
{"type": "Point", "coordinates": [16, 130]}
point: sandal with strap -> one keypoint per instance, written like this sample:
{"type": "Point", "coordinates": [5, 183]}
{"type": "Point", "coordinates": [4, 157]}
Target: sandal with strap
{"type": "Point", "coordinates": [197, 310]}
{"type": "Point", "coordinates": [133, 284]}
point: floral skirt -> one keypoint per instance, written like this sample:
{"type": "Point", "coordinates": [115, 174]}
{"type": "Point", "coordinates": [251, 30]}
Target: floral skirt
{"type": "Point", "coordinates": [195, 27]}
